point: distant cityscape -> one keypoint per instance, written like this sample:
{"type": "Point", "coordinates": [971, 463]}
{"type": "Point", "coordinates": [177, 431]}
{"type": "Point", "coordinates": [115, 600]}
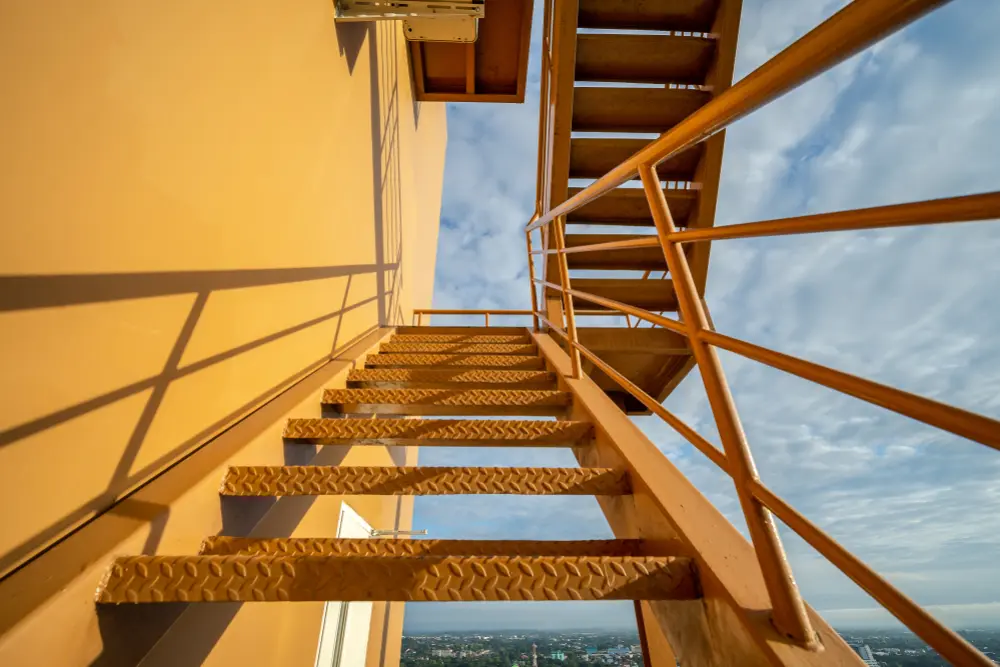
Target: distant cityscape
{"type": "Point", "coordinates": [622, 649]}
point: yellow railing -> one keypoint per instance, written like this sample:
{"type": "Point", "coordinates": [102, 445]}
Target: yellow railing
{"type": "Point", "coordinates": [852, 29]}
{"type": "Point", "coordinates": [418, 313]}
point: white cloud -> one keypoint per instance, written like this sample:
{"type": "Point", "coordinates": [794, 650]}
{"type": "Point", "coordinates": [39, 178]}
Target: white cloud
{"type": "Point", "coordinates": [914, 118]}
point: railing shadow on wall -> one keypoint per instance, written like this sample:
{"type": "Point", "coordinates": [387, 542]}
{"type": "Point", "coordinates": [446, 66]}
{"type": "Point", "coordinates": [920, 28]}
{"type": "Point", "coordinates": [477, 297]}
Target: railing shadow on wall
{"type": "Point", "coordinates": [19, 293]}
{"type": "Point", "coordinates": [29, 292]}
{"type": "Point", "coordinates": [32, 292]}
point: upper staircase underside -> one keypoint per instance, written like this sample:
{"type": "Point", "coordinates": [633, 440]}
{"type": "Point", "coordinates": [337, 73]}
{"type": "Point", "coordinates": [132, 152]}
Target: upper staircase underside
{"type": "Point", "coordinates": [628, 70]}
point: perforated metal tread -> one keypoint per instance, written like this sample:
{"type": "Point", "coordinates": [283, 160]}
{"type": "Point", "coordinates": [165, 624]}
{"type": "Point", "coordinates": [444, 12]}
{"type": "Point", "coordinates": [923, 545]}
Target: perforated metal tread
{"type": "Point", "coordinates": [446, 432]}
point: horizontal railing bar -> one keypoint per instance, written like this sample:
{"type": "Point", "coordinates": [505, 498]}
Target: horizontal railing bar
{"type": "Point", "coordinates": [459, 311]}
{"type": "Point", "coordinates": [435, 311]}
{"type": "Point", "coordinates": [623, 308]}
{"type": "Point", "coordinates": [697, 441]}
{"type": "Point", "coordinates": [850, 30]}
{"type": "Point", "coordinates": [651, 242]}
{"type": "Point", "coordinates": [946, 417]}
{"type": "Point", "coordinates": [947, 643]}
{"type": "Point", "coordinates": [967, 208]}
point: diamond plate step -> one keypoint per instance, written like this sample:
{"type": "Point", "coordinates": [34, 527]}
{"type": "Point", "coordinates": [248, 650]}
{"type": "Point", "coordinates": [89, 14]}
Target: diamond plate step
{"type": "Point", "coordinates": [134, 579]}
{"type": "Point", "coordinates": [511, 362]}
{"type": "Point", "coordinates": [447, 401]}
{"type": "Point", "coordinates": [456, 348]}
{"type": "Point", "coordinates": [271, 481]}
{"type": "Point", "coordinates": [402, 378]}
{"type": "Point", "coordinates": [507, 339]}
{"type": "Point", "coordinates": [441, 432]}
{"type": "Point", "coordinates": [320, 546]}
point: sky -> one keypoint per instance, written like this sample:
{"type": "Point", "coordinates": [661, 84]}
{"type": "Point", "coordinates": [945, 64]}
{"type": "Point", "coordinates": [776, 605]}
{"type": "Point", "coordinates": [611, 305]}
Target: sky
{"type": "Point", "coordinates": [915, 117]}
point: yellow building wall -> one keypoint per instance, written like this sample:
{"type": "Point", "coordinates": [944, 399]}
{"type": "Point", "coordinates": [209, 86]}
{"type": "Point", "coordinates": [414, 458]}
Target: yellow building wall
{"type": "Point", "coordinates": [199, 202]}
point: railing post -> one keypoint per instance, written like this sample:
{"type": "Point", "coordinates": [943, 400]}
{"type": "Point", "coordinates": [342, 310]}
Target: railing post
{"type": "Point", "coordinates": [574, 354]}
{"type": "Point", "coordinates": [420, 319]}
{"type": "Point", "coordinates": [531, 281]}
{"type": "Point", "coordinates": [789, 611]}
{"type": "Point", "coordinates": [486, 315]}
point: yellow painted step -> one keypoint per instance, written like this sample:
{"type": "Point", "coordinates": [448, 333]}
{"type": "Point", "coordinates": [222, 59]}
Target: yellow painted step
{"type": "Point", "coordinates": [644, 58]}
{"type": "Point", "coordinates": [467, 361]}
{"type": "Point", "coordinates": [433, 378]}
{"type": "Point", "coordinates": [457, 402]}
{"type": "Point", "coordinates": [592, 158]}
{"type": "Point", "coordinates": [681, 15]}
{"type": "Point", "coordinates": [457, 348]}
{"type": "Point", "coordinates": [440, 432]}
{"type": "Point", "coordinates": [607, 109]}
{"type": "Point", "coordinates": [296, 578]}
{"type": "Point", "coordinates": [628, 206]}
{"type": "Point", "coordinates": [652, 294]}
{"type": "Point", "coordinates": [274, 481]}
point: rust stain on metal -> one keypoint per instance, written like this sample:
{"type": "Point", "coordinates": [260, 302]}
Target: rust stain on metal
{"type": "Point", "coordinates": [135, 579]}
{"type": "Point", "coordinates": [420, 480]}
{"type": "Point", "coordinates": [289, 546]}
{"type": "Point", "coordinates": [457, 432]}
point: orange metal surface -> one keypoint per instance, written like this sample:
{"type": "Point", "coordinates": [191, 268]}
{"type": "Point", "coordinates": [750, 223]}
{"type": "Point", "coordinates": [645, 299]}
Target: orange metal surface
{"type": "Point", "coordinates": [947, 643]}
{"type": "Point", "coordinates": [139, 579]}
{"type": "Point", "coordinates": [856, 26]}
{"type": "Point", "coordinates": [692, 436]}
{"type": "Point", "coordinates": [789, 610]}
{"type": "Point", "coordinates": [380, 548]}
{"type": "Point", "coordinates": [492, 69]}
{"type": "Point", "coordinates": [945, 417]}
{"type": "Point", "coordinates": [931, 212]}
{"type": "Point", "coordinates": [455, 432]}
{"type": "Point", "coordinates": [559, 234]}
{"type": "Point", "coordinates": [315, 480]}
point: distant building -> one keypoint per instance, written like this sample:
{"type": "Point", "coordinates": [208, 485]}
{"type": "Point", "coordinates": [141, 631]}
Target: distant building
{"type": "Point", "coordinates": [591, 650]}
{"type": "Point", "coordinates": [866, 654]}
{"type": "Point", "coordinates": [443, 652]}
{"type": "Point", "coordinates": [557, 655]}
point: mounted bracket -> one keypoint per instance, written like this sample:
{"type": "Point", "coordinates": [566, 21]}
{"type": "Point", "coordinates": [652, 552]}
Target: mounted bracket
{"type": "Point", "coordinates": [423, 20]}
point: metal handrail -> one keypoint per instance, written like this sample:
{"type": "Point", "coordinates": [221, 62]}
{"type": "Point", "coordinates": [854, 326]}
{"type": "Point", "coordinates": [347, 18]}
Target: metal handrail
{"type": "Point", "coordinates": [853, 28]}
{"type": "Point", "coordinates": [418, 313]}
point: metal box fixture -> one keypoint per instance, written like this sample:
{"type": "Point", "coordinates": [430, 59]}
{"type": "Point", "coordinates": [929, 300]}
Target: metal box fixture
{"type": "Point", "coordinates": [423, 20]}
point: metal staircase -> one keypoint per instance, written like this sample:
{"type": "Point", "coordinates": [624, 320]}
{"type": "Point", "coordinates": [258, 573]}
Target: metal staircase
{"type": "Point", "coordinates": [616, 75]}
{"type": "Point", "coordinates": [470, 376]}
{"type": "Point", "coordinates": [705, 594]}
